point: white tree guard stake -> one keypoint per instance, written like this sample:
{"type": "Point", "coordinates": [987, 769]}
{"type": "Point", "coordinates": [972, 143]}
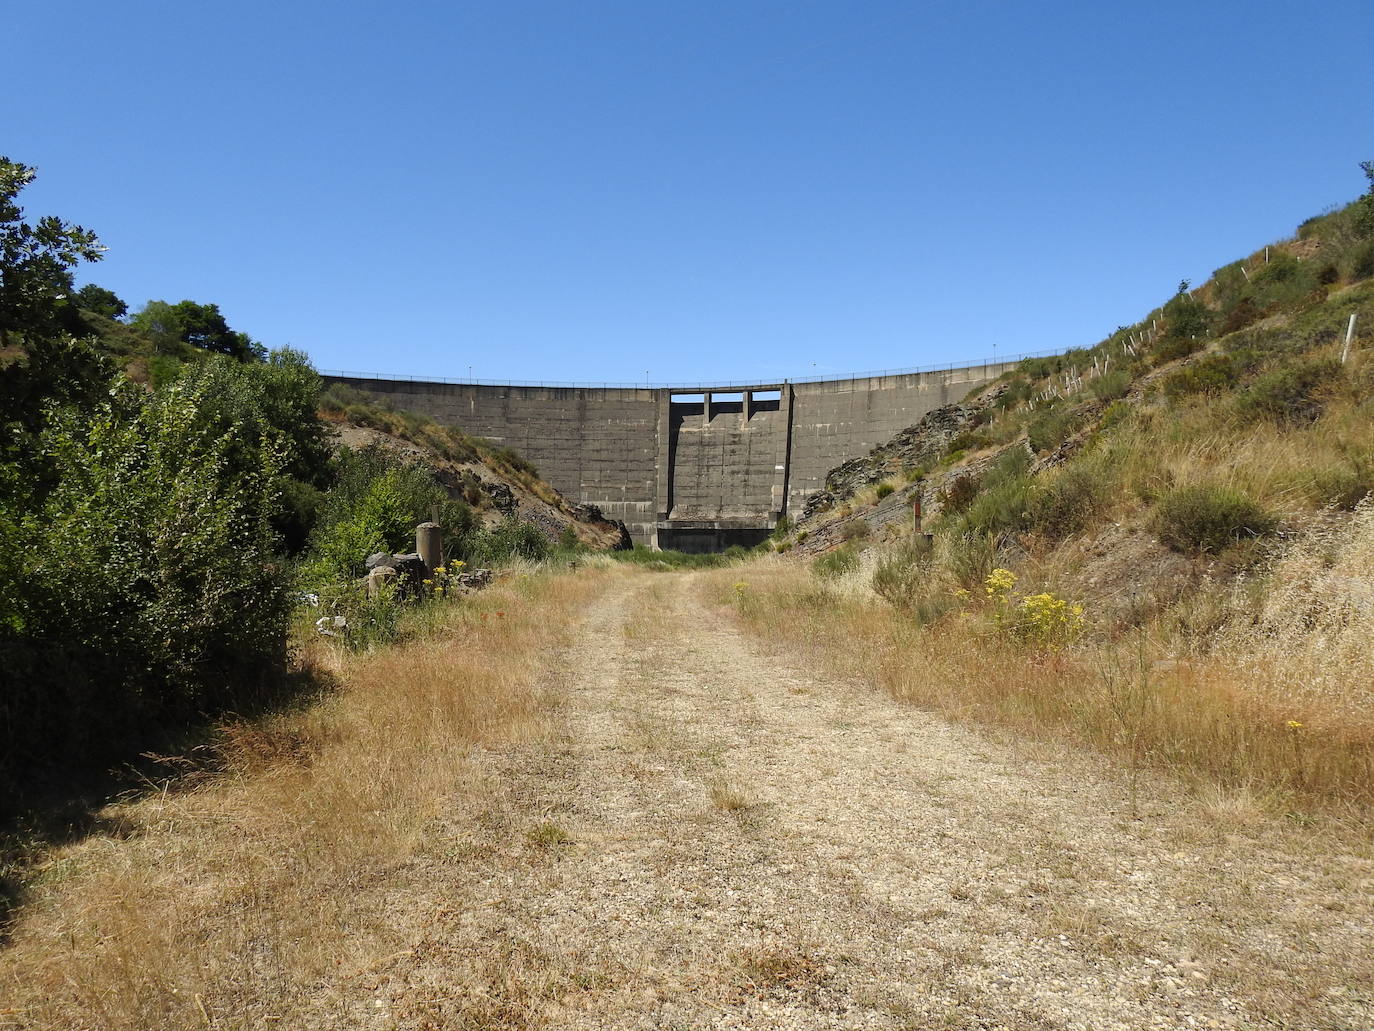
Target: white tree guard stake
{"type": "Point", "coordinates": [1349, 335]}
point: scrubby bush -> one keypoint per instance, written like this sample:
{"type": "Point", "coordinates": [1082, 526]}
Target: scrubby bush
{"type": "Point", "coordinates": [1051, 428]}
{"type": "Point", "coordinates": [374, 504]}
{"type": "Point", "coordinates": [1290, 393]}
{"type": "Point", "coordinates": [1213, 374]}
{"type": "Point", "coordinates": [1359, 264]}
{"type": "Point", "coordinates": [856, 530]}
{"type": "Point", "coordinates": [1111, 385]}
{"type": "Point", "coordinates": [837, 563]}
{"type": "Point", "coordinates": [1113, 414]}
{"type": "Point", "coordinates": [1000, 509]}
{"type": "Point", "coordinates": [968, 440]}
{"type": "Point", "coordinates": [1071, 501]}
{"type": "Point", "coordinates": [146, 587]}
{"type": "Point", "coordinates": [959, 492]}
{"type": "Point", "coordinates": [884, 490]}
{"type": "Point", "coordinates": [509, 540]}
{"type": "Point", "coordinates": [1343, 486]}
{"type": "Point", "coordinates": [1209, 519]}
{"type": "Point", "coordinates": [909, 579]}
{"type": "Point", "coordinates": [1172, 348]}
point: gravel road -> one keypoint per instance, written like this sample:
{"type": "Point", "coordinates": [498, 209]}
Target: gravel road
{"type": "Point", "coordinates": [709, 836]}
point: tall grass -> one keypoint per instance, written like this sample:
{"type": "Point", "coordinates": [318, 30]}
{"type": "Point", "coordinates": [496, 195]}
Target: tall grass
{"type": "Point", "coordinates": [230, 900]}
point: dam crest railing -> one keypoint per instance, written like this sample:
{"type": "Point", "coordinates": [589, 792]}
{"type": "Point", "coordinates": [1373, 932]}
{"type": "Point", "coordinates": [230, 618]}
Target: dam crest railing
{"type": "Point", "coordinates": [688, 387]}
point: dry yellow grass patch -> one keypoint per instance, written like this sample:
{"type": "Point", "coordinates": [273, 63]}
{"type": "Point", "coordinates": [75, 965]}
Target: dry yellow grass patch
{"type": "Point", "coordinates": [728, 796]}
{"type": "Point", "coordinates": [227, 904]}
{"type": "Point", "coordinates": [1282, 713]}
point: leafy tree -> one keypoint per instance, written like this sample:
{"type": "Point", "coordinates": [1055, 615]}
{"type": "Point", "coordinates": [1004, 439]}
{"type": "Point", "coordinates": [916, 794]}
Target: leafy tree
{"type": "Point", "coordinates": [145, 587]}
{"type": "Point", "coordinates": [35, 264]}
{"type": "Point", "coordinates": [197, 325]}
{"type": "Point", "coordinates": [101, 301]}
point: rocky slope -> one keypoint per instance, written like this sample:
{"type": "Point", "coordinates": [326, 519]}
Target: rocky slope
{"type": "Point", "coordinates": [494, 493]}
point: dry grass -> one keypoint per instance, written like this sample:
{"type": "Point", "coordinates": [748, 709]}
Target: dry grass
{"type": "Point", "coordinates": [1224, 720]}
{"type": "Point", "coordinates": [224, 904]}
{"type": "Point", "coordinates": [728, 796]}
{"type": "Point", "coordinates": [1197, 441]}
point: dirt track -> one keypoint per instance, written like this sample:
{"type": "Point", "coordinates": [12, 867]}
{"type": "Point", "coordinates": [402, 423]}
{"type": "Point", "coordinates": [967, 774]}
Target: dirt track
{"type": "Point", "coordinates": [711, 837]}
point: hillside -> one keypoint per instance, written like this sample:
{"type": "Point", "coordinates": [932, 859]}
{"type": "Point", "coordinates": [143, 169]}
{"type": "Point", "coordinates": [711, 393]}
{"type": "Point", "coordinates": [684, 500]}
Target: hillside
{"type": "Point", "coordinates": [497, 483]}
{"type": "Point", "coordinates": [1196, 443]}
{"type": "Point", "coordinates": [1161, 546]}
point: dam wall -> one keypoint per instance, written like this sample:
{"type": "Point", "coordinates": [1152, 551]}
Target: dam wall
{"type": "Point", "coordinates": [691, 467]}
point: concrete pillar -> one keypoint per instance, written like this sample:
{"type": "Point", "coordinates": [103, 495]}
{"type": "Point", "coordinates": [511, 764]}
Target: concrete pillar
{"type": "Point", "coordinates": [706, 407]}
{"type": "Point", "coordinates": [664, 462]}
{"type": "Point", "coordinates": [429, 543]}
{"type": "Point", "coordinates": [748, 400]}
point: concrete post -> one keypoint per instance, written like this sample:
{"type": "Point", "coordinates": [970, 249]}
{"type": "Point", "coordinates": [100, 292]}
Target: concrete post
{"type": "Point", "coordinates": [748, 400]}
{"type": "Point", "coordinates": [429, 543]}
{"type": "Point", "coordinates": [706, 408]}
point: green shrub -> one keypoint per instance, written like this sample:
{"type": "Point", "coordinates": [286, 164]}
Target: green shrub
{"type": "Point", "coordinates": [1070, 502]}
{"type": "Point", "coordinates": [1282, 281]}
{"type": "Point", "coordinates": [374, 504]}
{"type": "Point", "coordinates": [969, 557]}
{"type": "Point", "coordinates": [146, 587]}
{"type": "Point", "coordinates": [509, 540]}
{"type": "Point", "coordinates": [1359, 263]}
{"type": "Point", "coordinates": [1172, 348]}
{"type": "Point", "coordinates": [1290, 393]}
{"type": "Point", "coordinates": [1209, 519]}
{"type": "Point", "coordinates": [959, 492]}
{"type": "Point", "coordinates": [885, 489]}
{"type": "Point", "coordinates": [968, 440]}
{"type": "Point", "coordinates": [856, 529]}
{"type": "Point", "coordinates": [1343, 486]}
{"type": "Point", "coordinates": [1111, 385]}
{"type": "Point", "coordinates": [1214, 374]}
{"type": "Point", "coordinates": [907, 579]}
{"type": "Point", "coordinates": [1113, 414]}
{"type": "Point", "coordinates": [1051, 428]}
{"type": "Point", "coordinates": [837, 563]}
{"type": "Point", "coordinates": [783, 528]}
{"type": "Point", "coordinates": [1186, 324]}
{"type": "Point", "coordinates": [999, 509]}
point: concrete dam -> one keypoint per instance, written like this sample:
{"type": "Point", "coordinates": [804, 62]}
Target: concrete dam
{"type": "Point", "coordinates": [695, 468]}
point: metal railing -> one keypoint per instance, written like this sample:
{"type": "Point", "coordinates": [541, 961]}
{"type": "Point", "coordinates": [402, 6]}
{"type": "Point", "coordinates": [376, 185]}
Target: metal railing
{"type": "Point", "coordinates": [697, 387]}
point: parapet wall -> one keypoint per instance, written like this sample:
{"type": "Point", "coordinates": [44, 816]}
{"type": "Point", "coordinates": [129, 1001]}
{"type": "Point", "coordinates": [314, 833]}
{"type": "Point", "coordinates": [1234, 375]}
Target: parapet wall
{"type": "Point", "coordinates": [715, 461]}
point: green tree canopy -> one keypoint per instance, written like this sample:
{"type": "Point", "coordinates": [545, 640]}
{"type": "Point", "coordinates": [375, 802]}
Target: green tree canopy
{"type": "Point", "coordinates": [101, 301]}
{"type": "Point", "coordinates": [199, 325]}
{"type": "Point", "coordinates": [36, 262]}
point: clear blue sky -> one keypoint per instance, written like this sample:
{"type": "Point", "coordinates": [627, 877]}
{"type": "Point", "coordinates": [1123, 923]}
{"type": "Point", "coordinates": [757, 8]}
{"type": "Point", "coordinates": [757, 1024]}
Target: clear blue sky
{"type": "Point", "coordinates": [709, 190]}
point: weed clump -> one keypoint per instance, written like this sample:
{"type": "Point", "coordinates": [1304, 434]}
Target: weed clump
{"type": "Point", "coordinates": [1290, 393]}
{"type": "Point", "coordinates": [840, 562]}
{"type": "Point", "coordinates": [1209, 519]}
{"type": "Point", "coordinates": [856, 530]}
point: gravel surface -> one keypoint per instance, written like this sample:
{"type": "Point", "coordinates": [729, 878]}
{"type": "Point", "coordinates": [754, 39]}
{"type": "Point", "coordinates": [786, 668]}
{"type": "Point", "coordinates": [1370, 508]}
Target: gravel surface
{"type": "Point", "coordinates": [711, 837]}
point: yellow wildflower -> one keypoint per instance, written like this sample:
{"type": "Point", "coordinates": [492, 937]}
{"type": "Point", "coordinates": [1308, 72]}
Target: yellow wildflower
{"type": "Point", "coordinates": [999, 583]}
